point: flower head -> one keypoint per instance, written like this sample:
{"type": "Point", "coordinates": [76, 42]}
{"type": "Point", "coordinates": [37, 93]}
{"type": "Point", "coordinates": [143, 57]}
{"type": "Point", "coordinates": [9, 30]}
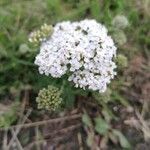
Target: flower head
{"type": "Point", "coordinates": [40, 35]}
{"type": "Point", "coordinates": [49, 99]}
{"type": "Point", "coordinates": [82, 48]}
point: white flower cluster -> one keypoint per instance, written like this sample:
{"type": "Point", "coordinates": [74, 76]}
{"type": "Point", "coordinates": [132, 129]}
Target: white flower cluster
{"type": "Point", "coordinates": [81, 49]}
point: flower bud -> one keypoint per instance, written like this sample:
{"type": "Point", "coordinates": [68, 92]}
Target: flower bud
{"type": "Point", "coordinates": [120, 22]}
{"type": "Point", "coordinates": [122, 61]}
{"type": "Point", "coordinates": [49, 99]}
{"type": "Point", "coordinates": [40, 35]}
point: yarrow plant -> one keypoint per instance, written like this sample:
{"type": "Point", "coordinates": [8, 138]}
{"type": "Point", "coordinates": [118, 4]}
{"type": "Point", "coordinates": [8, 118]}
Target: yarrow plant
{"type": "Point", "coordinates": [85, 54]}
{"type": "Point", "coordinates": [82, 50]}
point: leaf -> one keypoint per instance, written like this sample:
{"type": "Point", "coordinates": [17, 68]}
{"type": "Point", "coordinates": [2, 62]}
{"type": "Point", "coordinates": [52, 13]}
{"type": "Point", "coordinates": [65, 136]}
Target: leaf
{"type": "Point", "coordinates": [116, 96]}
{"type": "Point", "coordinates": [90, 139]}
{"type": "Point", "coordinates": [9, 116]}
{"type": "Point", "coordinates": [122, 139]}
{"type": "Point", "coordinates": [103, 97]}
{"type": "Point", "coordinates": [101, 126]}
{"type": "Point", "coordinates": [113, 138]}
{"type": "Point", "coordinates": [86, 120]}
{"type": "Point", "coordinates": [106, 115]}
{"type": "Point", "coordinates": [3, 52]}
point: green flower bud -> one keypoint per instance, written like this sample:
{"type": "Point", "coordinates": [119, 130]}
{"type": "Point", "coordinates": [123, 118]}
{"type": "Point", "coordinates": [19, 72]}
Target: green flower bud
{"type": "Point", "coordinates": [23, 49]}
{"type": "Point", "coordinates": [119, 37]}
{"type": "Point", "coordinates": [120, 22]}
{"type": "Point", "coordinates": [49, 99]}
{"type": "Point", "coordinates": [122, 61]}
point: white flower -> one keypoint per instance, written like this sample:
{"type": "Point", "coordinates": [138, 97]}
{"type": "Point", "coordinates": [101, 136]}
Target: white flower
{"type": "Point", "coordinates": [82, 48]}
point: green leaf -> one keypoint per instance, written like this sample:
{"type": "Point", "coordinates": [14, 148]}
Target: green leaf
{"type": "Point", "coordinates": [122, 139]}
{"type": "Point", "coordinates": [101, 126]}
{"type": "Point", "coordinates": [107, 115]}
{"type": "Point", "coordinates": [90, 139]}
{"type": "Point", "coordinates": [113, 138]}
{"type": "Point", "coordinates": [116, 96]}
{"type": "Point", "coordinates": [86, 120]}
{"type": "Point", "coordinates": [102, 97]}
{"type": "Point", "coordinates": [9, 116]}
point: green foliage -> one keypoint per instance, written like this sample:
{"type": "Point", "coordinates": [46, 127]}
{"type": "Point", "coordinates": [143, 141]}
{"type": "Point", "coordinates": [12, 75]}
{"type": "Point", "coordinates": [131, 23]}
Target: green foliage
{"type": "Point", "coordinates": [9, 116]}
{"type": "Point", "coordinates": [86, 120]}
{"type": "Point", "coordinates": [105, 97]}
{"type": "Point", "coordinates": [117, 97]}
{"type": "Point", "coordinates": [54, 7]}
{"type": "Point", "coordinates": [95, 9]}
{"type": "Point", "coordinates": [101, 126]}
{"type": "Point", "coordinates": [90, 138]}
{"type": "Point", "coordinates": [122, 139]}
{"type": "Point", "coordinates": [103, 123]}
{"type": "Point", "coordinates": [68, 96]}
{"type": "Point", "coordinates": [119, 37]}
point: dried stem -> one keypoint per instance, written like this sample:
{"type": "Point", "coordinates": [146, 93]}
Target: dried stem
{"type": "Point", "coordinates": [18, 129]}
{"type": "Point", "coordinates": [5, 139]}
{"type": "Point", "coordinates": [39, 123]}
{"type": "Point", "coordinates": [17, 141]}
{"type": "Point", "coordinates": [54, 140]}
{"type": "Point", "coordinates": [63, 131]}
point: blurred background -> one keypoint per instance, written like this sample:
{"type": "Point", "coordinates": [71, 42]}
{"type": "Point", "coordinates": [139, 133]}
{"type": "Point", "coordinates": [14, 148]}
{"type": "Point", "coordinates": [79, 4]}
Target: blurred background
{"type": "Point", "coordinates": [128, 22]}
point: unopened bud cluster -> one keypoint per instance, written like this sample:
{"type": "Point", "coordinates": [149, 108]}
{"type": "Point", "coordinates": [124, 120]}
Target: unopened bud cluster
{"type": "Point", "coordinates": [40, 35]}
{"type": "Point", "coordinates": [120, 22]}
{"type": "Point", "coordinates": [49, 99]}
{"type": "Point", "coordinates": [122, 61]}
